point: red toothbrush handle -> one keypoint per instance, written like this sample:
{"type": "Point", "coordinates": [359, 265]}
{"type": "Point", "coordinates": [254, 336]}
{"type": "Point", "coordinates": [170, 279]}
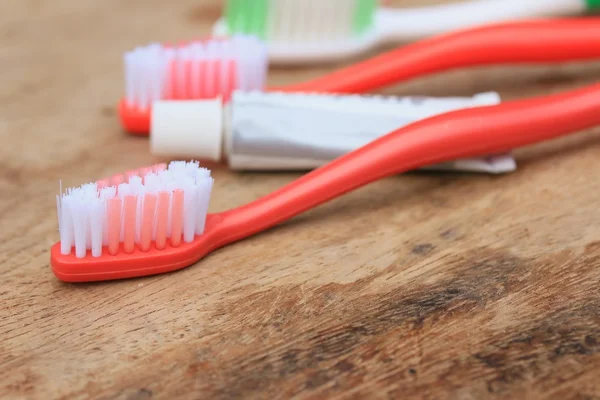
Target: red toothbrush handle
{"type": "Point", "coordinates": [454, 135]}
{"type": "Point", "coordinates": [539, 41]}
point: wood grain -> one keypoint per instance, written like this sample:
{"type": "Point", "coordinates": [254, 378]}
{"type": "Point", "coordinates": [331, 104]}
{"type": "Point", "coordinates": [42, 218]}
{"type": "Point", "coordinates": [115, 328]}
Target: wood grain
{"type": "Point", "coordinates": [423, 285]}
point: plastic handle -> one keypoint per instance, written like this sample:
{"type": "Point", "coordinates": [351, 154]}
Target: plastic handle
{"type": "Point", "coordinates": [540, 41]}
{"type": "Point", "coordinates": [457, 134]}
{"type": "Point", "coordinates": [414, 23]}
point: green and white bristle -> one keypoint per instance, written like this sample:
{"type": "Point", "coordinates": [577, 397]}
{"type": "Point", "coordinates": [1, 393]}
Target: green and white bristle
{"type": "Point", "coordinates": [299, 20]}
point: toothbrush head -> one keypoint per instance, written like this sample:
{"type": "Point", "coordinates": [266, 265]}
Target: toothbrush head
{"type": "Point", "coordinates": [143, 222]}
{"type": "Point", "coordinates": [207, 69]}
{"type": "Point", "coordinates": [303, 31]}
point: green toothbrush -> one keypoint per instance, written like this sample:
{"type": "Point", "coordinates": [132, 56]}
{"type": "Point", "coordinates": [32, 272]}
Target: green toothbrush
{"type": "Point", "coordinates": [305, 31]}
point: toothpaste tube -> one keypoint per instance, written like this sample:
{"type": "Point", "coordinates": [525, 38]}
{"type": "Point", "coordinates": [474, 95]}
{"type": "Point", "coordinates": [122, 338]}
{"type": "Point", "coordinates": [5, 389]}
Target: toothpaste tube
{"type": "Point", "coordinates": [289, 131]}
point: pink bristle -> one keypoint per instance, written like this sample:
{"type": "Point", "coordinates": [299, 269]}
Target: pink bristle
{"type": "Point", "coordinates": [114, 225]}
{"type": "Point", "coordinates": [182, 82]}
{"type": "Point", "coordinates": [170, 81]}
{"type": "Point", "coordinates": [204, 81]}
{"type": "Point", "coordinates": [175, 80]}
{"type": "Point", "coordinates": [101, 184]}
{"type": "Point", "coordinates": [187, 77]}
{"type": "Point", "coordinates": [143, 172]}
{"type": "Point", "coordinates": [147, 221]}
{"type": "Point", "coordinates": [159, 167]}
{"type": "Point", "coordinates": [153, 211]}
{"type": "Point", "coordinates": [129, 220]}
{"type": "Point", "coordinates": [162, 219]}
{"type": "Point", "coordinates": [200, 84]}
{"type": "Point", "coordinates": [213, 78]}
{"type": "Point", "coordinates": [177, 218]}
{"type": "Point", "coordinates": [194, 70]}
{"type": "Point", "coordinates": [207, 79]}
{"type": "Point", "coordinates": [116, 180]}
{"type": "Point", "coordinates": [219, 68]}
{"type": "Point", "coordinates": [194, 76]}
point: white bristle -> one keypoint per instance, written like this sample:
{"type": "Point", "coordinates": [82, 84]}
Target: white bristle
{"type": "Point", "coordinates": [96, 211]}
{"type": "Point", "coordinates": [224, 75]}
{"type": "Point", "coordinates": [315, 20]}
{"type": "Point", "coordinates": [165, 177]}
{"type": "Point", "coordinates": [84, 221]}
{"type": "Point", "coordinates": [245, 73]}
{"type": "Point", "coordinates": [124, 190]}
{"type": "Point", "coordinates": [310, 21]}
{"type": "Point", "coordinates": [190, 191]}
{"type": "Point", "coordinates": [66, 226]}
{"type": "Point", "coordinates": [212, 54]}
{"type": "Point", "coordinates": [89, 194]}
{"type": "Point", "coordinates": [152, 183]}
{"type": "Point", "coordinates": [191, 168]}
{"type": "Point", "coordinates": [108, 192]}
{"type": "Point", "coordinates": [129, 60]}
{"type": "Point", "coordinates": [202, 173]}
{"type": "Point", "coordinates": [80, 225]}
{"type": "Point", "coordinates": [176, 168]}
{"type": "Point", "coordinates": [308, 31]}
{"type": "Point", "coordinates": [193, 71]}
{"type": "Point", "coordinates": [204, 184]}
{"type": "Point", "coordinates": [279, 22]}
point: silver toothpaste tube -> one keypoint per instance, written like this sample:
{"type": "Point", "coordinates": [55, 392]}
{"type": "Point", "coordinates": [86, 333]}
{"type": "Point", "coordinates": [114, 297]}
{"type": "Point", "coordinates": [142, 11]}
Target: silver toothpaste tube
{"type": "Point", "coordinates": [282, 131]}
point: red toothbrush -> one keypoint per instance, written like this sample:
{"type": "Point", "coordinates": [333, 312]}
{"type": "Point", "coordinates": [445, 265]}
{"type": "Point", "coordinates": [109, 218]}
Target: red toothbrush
{"type": "Point", "coordinates": [158, 223]}
{"type": "Point", "coordinates": [528, 42]}
{"type": "Point", "coordinates": [200, 69]}
{"type": "Point", "coordinates": [521, 42]}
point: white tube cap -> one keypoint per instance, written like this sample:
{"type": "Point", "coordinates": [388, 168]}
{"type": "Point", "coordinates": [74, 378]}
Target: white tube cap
{"type": "Point", "coordinates": [190, 128]}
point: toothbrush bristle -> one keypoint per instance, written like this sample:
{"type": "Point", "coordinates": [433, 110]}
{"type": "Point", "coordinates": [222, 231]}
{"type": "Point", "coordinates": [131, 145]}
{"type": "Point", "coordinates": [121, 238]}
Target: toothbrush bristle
{"type": "Point", "coordinates": [294, 21]}
{"type": "Point", "coordinates": [152, 207]}
{"type": "Point", "coordinates": [195, 70]}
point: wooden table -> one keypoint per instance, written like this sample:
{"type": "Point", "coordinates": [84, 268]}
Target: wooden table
{"type": "Point", "coordinates": [428, 285]}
